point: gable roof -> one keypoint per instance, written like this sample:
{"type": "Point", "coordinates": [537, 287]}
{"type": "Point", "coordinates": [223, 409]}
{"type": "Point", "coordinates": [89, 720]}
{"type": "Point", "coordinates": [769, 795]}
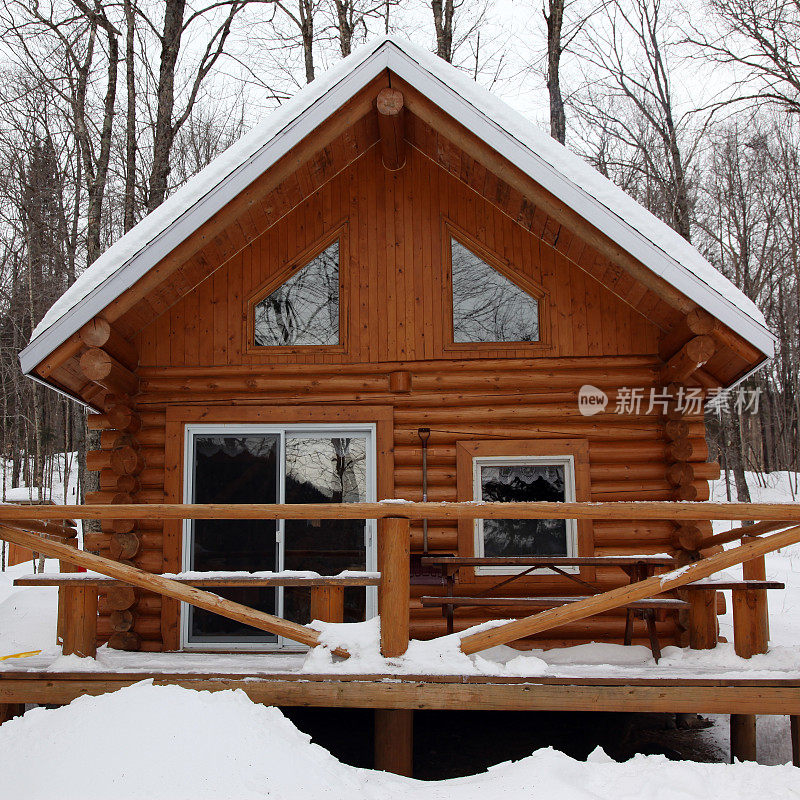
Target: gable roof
{"type": "Point", "coordinates": [559, 171]}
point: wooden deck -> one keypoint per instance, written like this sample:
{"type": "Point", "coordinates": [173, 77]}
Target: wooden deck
{"type": "Point", "coordinates": [441, 692]}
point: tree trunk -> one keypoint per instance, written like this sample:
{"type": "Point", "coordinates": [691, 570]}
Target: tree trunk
{"type": "Point", "coordinates": [555, 21]}
{"type": "Point", "coordinates": [164, 130]}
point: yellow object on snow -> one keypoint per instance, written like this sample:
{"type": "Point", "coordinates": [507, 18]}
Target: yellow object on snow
{"type": "Point", "coordinates": [21, 655]}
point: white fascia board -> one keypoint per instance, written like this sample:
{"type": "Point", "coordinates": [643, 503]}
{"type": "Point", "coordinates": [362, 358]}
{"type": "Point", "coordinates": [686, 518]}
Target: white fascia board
{"type": "Point", "coordinates": [599, 215]}
{"type": "Point", "coordinates": [196, 215]}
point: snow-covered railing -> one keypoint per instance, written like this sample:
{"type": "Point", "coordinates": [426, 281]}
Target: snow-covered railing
{"type": "Point", "coordinates": [393, 553]}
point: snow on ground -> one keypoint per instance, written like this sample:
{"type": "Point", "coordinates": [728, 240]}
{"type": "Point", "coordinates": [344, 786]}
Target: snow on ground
{"type": "Point", "coordinates": [177, 743]}
{"type": "Point", "coordinates": [27, 618]}
{"type": "Point", "coordinates": [27, 622]}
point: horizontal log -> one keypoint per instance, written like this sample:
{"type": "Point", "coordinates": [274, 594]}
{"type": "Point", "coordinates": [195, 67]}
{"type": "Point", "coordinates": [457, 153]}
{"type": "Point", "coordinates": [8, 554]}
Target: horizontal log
{"type": "Point", "coordinates": [693, 355]}
{"type": "Point", "coordinates": [124, 545]}
{"type": "Point", "coordinates": [119, 598]}
{"type": "Point", "coordinates": [435, 366]}
{"type": "Point", "coordinates": [389, 508]}
{"type": "Point", "coordinates": [405, 456]}
{"type": "Point", "coordinates": [676, 430]}
{"type": "Point", "coordinates": [145, 627]}
{"type": "Point", "coordinates": [102, 368]}
{"type": "Point", "coordinates": [99, 332]}
{"type": "Point", "coordinates": [680, 473]}
{"type": "Point", "coordinates": [611, 452]}
{"type": "Point", "coordinates": [128, 460]}
{"type": "Point", "coordinates": [120, 621]}
{"type": "Point", "coordinates": [149, 418]}
{"type": "Point", "coordinates": [147, 604]}
{"type": "Point", "coordinates": [153, 437]}
{"type": "Point", "coordinates": [513, 414]}
{"type": "Point", "coordinates": [123, 418]}
{"type": "Point", "coordinates": [627, 430]}
{"type": "Point", "coordinates": [679, 450]}
{"type": "Point", "coordinates": [109, 497]}
{"type": "Point", "coordinates": [267, 396]}
{"type": "Point", "coordinates": [63, 530]}
{"type": "Point", "coordinates": [132, 483]}
{"type": "Point", "coordinates": [111, 481]}
{"type": "Point", "coordinates": [129, 641]}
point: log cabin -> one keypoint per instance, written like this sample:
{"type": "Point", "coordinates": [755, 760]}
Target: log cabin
{"type": "Point", "coordinates": [395, 287]}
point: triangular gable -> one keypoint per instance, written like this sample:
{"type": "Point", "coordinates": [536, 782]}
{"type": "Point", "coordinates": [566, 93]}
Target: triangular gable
{"type": "Point", "coordinates": [559, 172]}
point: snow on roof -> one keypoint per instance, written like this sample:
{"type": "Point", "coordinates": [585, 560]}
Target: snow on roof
{"type": "Point", "coordinates": [553, 166]}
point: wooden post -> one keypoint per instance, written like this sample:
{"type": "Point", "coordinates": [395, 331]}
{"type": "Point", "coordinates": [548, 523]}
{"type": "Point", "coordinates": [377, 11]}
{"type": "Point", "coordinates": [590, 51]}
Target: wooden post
{"type": "Point", "coordinates": [394, 741]}
{"type": "Point", "coordinates": [80, 623]}
{"type": "Point", "coordinates": [750, 638]}
{"type": "Point", "coordinates": [391, 128]}
{"type": "Point", "coordinates": [756, 570]}
{"type": "Point", "coordinates": [749, 622]}
{"type": "Point", "coordinates": [702, 619]}
{"type": "Point", "coordinates": [794, 724]}
{"type": "Point", "coordinates": [394, 562]}
{"type": "Point", "coordinates": [743, 737]}
{"type": "Point", "coordinates": [327, 603]}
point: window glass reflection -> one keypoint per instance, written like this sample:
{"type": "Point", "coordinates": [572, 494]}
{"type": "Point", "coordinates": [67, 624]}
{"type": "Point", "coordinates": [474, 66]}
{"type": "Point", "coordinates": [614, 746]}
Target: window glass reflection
{"type": "Point", "coordinates": [520, 483]}
{"type": "Point", "coordinates": [487, 307]}
{"type": "Point", "coordinates": [305, 309]}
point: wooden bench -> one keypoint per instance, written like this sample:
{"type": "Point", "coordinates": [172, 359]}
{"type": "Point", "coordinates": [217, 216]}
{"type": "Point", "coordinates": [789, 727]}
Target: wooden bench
{"type": "Point", "coordinates": [651, 605]}
{"type": "Point", "coordinates": [637, 567]}
{"type": "Point", "coordinates": [78, 629]}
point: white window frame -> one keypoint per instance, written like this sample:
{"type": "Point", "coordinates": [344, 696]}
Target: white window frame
{"type": "Point", "coordinates": [370, 532]}
{"type": "Point", "coordinates": [566, 461]}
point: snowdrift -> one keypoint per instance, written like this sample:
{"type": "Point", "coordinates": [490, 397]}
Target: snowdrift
{"type": "Point", "coordinates": [155, 742]}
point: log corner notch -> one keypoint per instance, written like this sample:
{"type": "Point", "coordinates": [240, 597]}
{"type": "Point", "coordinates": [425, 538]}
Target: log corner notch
{"type": "Point", "coordinates": [391, 126]}
{"type": "Point", "coordinates": [691, 357]}
{"type": "Point", "coordinates": [109, 359]}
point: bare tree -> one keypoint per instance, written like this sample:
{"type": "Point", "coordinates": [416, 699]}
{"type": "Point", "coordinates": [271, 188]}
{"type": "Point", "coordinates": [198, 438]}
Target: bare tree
{"type": "Point", "coordinates": [630, 98]}
{"type": "Point", "coordinates": [760, 41]}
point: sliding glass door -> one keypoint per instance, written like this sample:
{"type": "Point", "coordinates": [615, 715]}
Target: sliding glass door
{"type": "Point", "coordinates": [267, 464]}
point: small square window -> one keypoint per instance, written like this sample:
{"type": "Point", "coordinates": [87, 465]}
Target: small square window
{"type": "Point", "coordinates": [304, 310]}
{"type": "Point", "coordinates": [487, 306]}
{"type": "Point", "coordinates": [519, 480]}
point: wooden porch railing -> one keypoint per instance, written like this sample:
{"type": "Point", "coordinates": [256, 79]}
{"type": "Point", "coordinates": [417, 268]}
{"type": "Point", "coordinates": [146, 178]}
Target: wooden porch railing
{"type": "Point", "coordinates": [393, 556]}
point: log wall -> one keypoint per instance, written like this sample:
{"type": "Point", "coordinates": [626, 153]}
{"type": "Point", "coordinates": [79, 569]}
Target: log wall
{"type": "Point", "coordinates": [395, 354]}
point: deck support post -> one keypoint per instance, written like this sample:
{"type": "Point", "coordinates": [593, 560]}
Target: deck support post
{"type": "Point", "coordinates": [702, 619]}
{"type": "Point", "coordinates": [750, 638]}
{"type": "Point", "coordinates": [794, 725]}
{"type": "Point", "coordinates": [394, 741]}
{"type": "Point", "coordinates": [743, 737]}
{"type": "Point", "coordinates": [394, 562]}
{"type": "Point", "coordinates": [80, 621]}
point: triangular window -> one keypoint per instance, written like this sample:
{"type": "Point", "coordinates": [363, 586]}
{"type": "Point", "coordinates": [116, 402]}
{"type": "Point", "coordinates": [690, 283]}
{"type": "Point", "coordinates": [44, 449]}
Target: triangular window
{"type": "Point", "coordinates": [305, 309]}
{"type": "Point", "coordinates": [487, 306]}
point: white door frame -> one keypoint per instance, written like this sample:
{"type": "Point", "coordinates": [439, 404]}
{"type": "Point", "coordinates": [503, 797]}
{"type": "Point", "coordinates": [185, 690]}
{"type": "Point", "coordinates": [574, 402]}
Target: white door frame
{"type": "Point", "coordinates": [193, 429]}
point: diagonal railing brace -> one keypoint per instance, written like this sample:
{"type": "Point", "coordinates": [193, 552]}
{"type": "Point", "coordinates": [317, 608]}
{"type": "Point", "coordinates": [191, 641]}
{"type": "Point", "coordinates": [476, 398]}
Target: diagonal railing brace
{"type": "Point", "coordinates": [166, 587]}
